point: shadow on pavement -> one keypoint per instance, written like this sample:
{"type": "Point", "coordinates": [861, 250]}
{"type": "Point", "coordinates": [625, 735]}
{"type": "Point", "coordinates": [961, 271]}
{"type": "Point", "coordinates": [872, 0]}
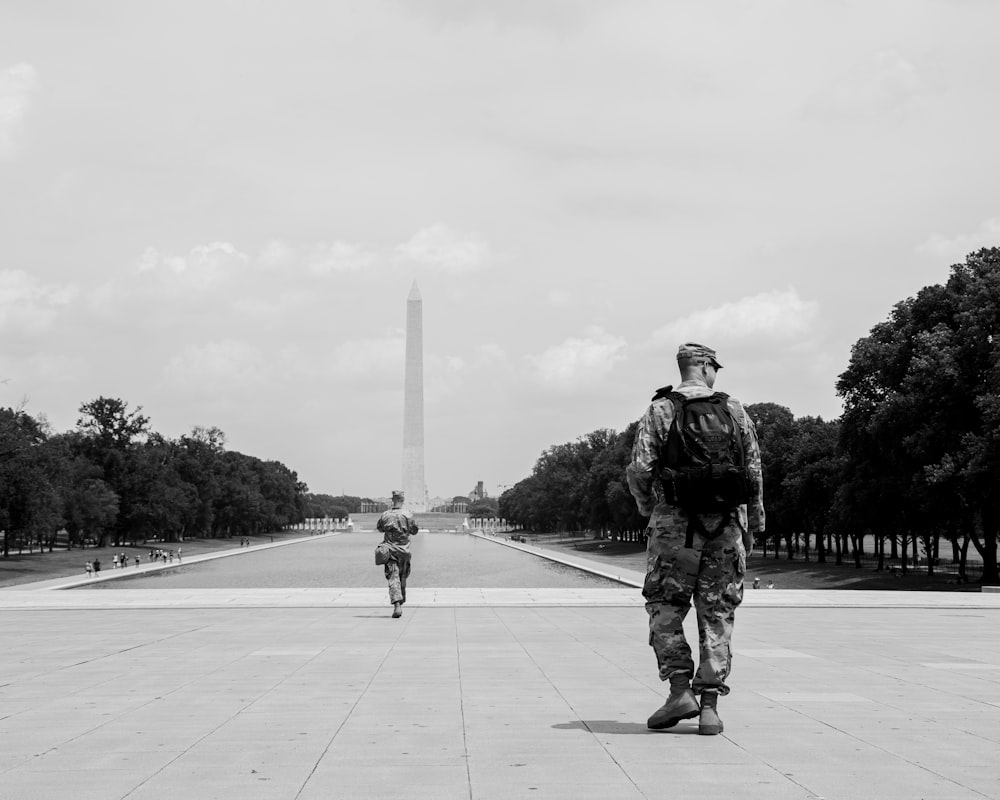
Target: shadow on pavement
{"type": "Point", "coordinates": [609, 726]}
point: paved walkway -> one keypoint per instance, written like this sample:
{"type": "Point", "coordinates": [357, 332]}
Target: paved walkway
{"type": "Point", "coordinates": [487, 694]}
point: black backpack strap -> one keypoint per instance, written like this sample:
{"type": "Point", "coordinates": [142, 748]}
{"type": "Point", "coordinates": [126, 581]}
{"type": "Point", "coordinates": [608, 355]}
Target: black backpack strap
{"type": "Point", "coordinates": [663, 391]}
{"type": "Point", "coordinates": [674, 445]}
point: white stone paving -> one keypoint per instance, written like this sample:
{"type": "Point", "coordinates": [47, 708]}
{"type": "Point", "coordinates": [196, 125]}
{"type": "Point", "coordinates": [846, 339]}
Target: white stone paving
{"type": "Point", "coordinates": [487, 693]}
{"type": "Point", "coordinates": [486, 701]}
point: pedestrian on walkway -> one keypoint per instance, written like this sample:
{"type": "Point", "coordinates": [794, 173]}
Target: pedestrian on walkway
{"type": "Point", "coordinates": [89, 568]}
{"type": "Point", "coordinates": [397, 526]}
{"type": "Point", "coordinates": [695, 471]}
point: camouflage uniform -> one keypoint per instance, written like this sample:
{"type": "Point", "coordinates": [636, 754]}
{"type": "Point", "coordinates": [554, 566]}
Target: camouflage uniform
{"type": "Point", "coordinates": [397, 526]}
{"type": "Point", "coordinates": [710, 571]}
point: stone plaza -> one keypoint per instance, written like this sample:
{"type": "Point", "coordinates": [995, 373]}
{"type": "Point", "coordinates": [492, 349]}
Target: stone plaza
{"type": "Point", "coordinates": [486, 693]}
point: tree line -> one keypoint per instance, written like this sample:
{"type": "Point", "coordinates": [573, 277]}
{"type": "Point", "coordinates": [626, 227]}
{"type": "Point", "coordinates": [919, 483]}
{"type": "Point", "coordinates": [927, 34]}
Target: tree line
{"type": "Point", "coordinates": [911, 464]}
{"type": "Point", "coordinates": [115, 480]}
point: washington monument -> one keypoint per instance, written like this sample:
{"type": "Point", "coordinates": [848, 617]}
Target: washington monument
{"type": "Point", "coordinates": [413, 405]}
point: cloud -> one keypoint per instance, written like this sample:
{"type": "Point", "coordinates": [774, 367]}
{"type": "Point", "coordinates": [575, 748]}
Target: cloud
{"type": "Point", "coordinates": [337, 257]}
{"type": "Point", "coordinates": [204, 266]}
{"type": "Point", "coordinates": [955, 249]}
{"type": "Point", "coordinates": [275, 254]}
{"type": "Point", "coordinates": [774, 314]}
{"type": "Point", "coordinates": [17, 85]}
{"type": "Point", "coordinates": [490, 354]}
{"type": "Point", "coordinates": [886, 83]}
{"type": "Point", "coordinates": [228, 363]}
{"type": "Point", "coordinates": [556, 16]}
{"type": "Point", "coordinates": [27, 306]}
{"type": "Point", "coordinates": [369, 362]}
{"type": "Point", "coordinates": [441, 247]}
{"type": "Point", "coordinates": [579, 361]}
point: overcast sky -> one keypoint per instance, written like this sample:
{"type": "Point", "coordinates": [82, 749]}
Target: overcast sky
{"type": "Point", "coordinates": [215, 210]}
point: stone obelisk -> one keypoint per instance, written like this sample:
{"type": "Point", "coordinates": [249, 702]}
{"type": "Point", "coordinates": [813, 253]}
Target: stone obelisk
{"type": "Point", "coordinates": [413, 405]}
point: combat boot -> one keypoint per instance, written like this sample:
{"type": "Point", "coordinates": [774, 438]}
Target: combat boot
{"type": "Point", "coordinates": [397, 610]}
{"type": "Point", "coordinates": [709, 723]}
{"type": "Point", "coordinates": [681, 704]}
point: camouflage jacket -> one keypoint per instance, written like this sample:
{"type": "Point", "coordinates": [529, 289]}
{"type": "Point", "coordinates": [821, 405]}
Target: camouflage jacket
{"type": "Point", "coordinates": [398, 526]}
{"type": "Point", "coordinates": [651, 440]}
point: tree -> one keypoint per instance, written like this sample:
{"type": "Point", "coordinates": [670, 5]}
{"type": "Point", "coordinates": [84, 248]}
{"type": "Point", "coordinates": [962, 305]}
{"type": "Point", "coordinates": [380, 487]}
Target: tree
{"type": "Point", "coordinates": [813, 475]}
{"type": "Point", "coordinates": [775, 432]}
{"type": "Point", "coordinates": [578, 485]}
{"type": "Point", "coordinates": [90, 505]}
{"type": "Point", "coordinates": [920, 417]}
{"type": "Point", "coordinates": [110, 423]}
{"type": "Point", "coordinates": [486, 508]}
{"type": "Point", "coordinates": [198, 460]}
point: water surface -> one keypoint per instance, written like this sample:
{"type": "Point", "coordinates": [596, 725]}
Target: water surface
{"type": "Point", "coordinates": [347, 560]}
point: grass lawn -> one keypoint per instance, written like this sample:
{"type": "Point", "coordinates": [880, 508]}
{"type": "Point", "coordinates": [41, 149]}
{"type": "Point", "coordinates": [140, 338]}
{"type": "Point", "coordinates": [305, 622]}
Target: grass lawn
{"type": "Point", "coordinates": [28, 567]}
{"type": "Point", "coordinates": [797, 574]}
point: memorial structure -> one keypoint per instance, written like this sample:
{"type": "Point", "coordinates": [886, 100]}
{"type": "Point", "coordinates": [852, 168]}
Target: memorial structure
{"type": "Point", "coordinates": [413, 405]}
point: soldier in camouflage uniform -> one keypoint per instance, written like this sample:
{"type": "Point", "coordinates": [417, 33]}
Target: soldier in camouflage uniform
{"type": "Point", "coordinates": [706, 567]}
{"type": "Point", "coordinates": [398, 526]}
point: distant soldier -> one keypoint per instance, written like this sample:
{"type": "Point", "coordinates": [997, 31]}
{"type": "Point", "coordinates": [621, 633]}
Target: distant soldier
{"type": "Point", "coordinates": [397, 526]}
{"type": "Point", "coordinates": [695, 471]}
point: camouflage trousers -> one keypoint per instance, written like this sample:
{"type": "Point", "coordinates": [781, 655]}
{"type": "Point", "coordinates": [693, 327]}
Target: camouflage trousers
{"type": "Point", "coordinates": [397, 570]}
{"type": "Point", "coordinates": [709, 572]}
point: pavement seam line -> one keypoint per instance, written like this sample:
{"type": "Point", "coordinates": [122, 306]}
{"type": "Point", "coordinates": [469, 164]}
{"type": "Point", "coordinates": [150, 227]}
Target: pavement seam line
{"type": "Point", "coordinates": [128, 711]}
{"type": "Point", "coordinates": [569, 705]}
{"type": "Point", "coordinates": [350, 712]}
{"type": "Point", "coordinates": [91, 686]}
{"type": "Point", "coordinates": [221, 724]}
{"type": "Point", "coordinates": [461, 703]}
{"type": "Point", "coordinates": [655, 688]}
{"type": "Point", "coordinates": [867, 743]}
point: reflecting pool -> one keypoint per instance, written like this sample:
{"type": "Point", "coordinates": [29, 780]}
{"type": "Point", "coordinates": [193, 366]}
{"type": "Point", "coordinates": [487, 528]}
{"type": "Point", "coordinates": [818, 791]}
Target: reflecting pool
{"type": "Point", "coordinates": [347, 560]}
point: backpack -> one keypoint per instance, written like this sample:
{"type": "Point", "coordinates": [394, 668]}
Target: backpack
{"type": "Point", "coordinates": [703, 466]}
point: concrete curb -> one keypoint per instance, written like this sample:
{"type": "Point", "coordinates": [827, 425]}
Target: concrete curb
{"type": "Point", "coordinates": [75, 581]}
{"type": "Point", "coordinates": [626, 576]}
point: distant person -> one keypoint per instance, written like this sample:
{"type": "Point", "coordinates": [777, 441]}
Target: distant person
{"type": "Point", "coordinates": [89, 568]}
{"type": "Point", "coordinates": [756, 583]}
{"type": "Point", "coordinates": [695, 472]}
{"type": "Point", "coordinates": [770, 584]}
{"type": "Point", "coordinates": [397, 526]}
{"type": "Point", "coordinates": [97, 566]}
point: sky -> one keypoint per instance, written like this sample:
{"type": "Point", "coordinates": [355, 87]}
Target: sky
{"type": "Point", "coordinates": [215, 210]}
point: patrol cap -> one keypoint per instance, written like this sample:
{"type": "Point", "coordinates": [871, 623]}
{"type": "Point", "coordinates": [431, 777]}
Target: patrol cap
{"type": "Point", "coordinates": [695, 350]}
{"type": "Point", "coordinates": [397, 494]}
